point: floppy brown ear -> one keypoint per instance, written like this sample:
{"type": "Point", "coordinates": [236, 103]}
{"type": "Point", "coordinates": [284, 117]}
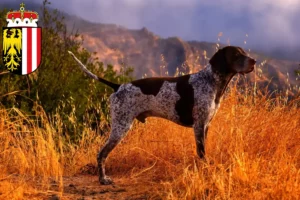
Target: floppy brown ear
{"type": "Point", "coordinates": [218, 62]}
{"type": "Point", "coordinates": [218, 58]}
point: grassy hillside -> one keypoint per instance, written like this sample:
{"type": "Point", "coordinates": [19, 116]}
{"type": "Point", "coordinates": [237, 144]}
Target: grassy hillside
{"type": "Point", "coordinates": [53, 122]}
{"type": "Point", "coordinates": [252, 153]}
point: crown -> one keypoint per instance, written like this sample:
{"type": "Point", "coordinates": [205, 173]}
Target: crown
{"type": "Point", "coordinates": [22, 18]}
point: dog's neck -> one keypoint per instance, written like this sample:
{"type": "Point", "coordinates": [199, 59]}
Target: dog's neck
{"type": "Point", "coordinates": [220, 81]}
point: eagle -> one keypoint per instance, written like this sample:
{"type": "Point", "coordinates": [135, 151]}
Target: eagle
{"type": "Point", "coordinates": [12, 44]}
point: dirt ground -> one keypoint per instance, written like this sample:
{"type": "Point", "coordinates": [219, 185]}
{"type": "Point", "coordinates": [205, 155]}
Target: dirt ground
{"type": "Point", "coordinates": [87, 187]}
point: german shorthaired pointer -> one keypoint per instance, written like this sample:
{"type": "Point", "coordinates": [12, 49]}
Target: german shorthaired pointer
{"type": "Point", "coordinates": [190, 100]}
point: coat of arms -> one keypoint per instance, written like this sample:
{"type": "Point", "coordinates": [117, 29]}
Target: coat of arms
{"type": "Point", "coordinates": [22, 41]}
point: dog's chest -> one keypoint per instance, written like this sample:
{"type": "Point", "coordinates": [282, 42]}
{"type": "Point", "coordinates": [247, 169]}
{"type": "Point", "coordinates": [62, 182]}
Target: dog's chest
{"type": "Point", "coordinates": [205, 105]}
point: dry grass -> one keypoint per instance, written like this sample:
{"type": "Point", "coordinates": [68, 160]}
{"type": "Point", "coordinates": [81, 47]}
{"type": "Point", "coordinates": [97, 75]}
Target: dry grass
{"type": "Point", "coordinates": [252, 153]}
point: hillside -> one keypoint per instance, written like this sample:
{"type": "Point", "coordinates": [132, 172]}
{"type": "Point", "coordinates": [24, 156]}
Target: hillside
{"type": "Point", "coordinates": [151, 55]}
{"type": "Point", "coordinates": [155, 56]}
{"type": "Point", "coordinates": [252, 153]}
{"type": "Point", "coordinates": [53, 123]}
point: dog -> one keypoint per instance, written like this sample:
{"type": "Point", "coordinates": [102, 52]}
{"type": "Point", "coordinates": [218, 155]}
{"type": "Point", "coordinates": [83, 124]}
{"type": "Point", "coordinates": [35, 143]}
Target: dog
{"type": "Point", "coordinates": [190, 100]}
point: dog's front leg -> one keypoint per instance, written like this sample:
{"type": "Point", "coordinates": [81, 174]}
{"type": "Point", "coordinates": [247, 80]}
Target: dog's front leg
{"type": "Point", "coordinates": [200, 131]}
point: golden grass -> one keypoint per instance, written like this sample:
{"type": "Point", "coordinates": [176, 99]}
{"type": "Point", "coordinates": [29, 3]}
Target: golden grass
{"type": "Point", "coordinates": [252, 153]}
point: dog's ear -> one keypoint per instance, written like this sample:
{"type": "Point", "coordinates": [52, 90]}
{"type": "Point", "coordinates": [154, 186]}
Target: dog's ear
{"type": "Point", "coordinates": [218, 62]}
{"type": "Point", "coordinates": [218, 58]}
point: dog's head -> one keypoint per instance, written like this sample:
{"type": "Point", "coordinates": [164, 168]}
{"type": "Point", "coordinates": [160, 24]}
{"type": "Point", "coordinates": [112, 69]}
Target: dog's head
{"type": "Point", "coordinates": [232, 59]}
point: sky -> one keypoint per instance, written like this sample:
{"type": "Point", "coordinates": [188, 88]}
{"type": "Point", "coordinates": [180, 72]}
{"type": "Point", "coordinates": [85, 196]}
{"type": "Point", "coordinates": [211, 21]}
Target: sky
{"type": "Point", "coordinates": [263, 24]}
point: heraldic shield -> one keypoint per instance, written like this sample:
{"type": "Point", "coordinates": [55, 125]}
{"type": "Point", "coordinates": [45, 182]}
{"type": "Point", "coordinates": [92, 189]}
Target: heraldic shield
{"type": "Point", "coordinates": [22, 42]}
{"type": "Point", "coordinates": [22, 49]}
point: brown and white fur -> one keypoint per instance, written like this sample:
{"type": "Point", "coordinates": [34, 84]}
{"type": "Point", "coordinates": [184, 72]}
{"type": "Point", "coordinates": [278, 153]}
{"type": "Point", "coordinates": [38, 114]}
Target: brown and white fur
{"type": "Point", "coordinates": [191, 100]}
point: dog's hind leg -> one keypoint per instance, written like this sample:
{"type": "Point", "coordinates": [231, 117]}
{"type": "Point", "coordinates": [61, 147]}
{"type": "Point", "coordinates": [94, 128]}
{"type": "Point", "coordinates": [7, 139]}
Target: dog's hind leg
{"type": "Point", "coordinates": [118, 132]}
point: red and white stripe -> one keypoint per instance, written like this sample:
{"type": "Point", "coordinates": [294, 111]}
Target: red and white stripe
{"type": "Point", "coordinates": [31, 49]}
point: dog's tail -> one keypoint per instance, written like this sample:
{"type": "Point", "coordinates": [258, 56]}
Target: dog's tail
{"type": "Point", "coordinates": [90, 74]}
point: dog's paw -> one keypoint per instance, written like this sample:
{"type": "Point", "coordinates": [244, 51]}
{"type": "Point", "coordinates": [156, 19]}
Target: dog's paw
{"type": "Point", "coordinates": [105, 181]}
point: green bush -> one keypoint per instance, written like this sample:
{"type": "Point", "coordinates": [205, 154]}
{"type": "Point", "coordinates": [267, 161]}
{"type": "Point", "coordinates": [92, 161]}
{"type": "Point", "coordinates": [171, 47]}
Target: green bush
{"type": "Point", "coordinates": [59, 85]}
